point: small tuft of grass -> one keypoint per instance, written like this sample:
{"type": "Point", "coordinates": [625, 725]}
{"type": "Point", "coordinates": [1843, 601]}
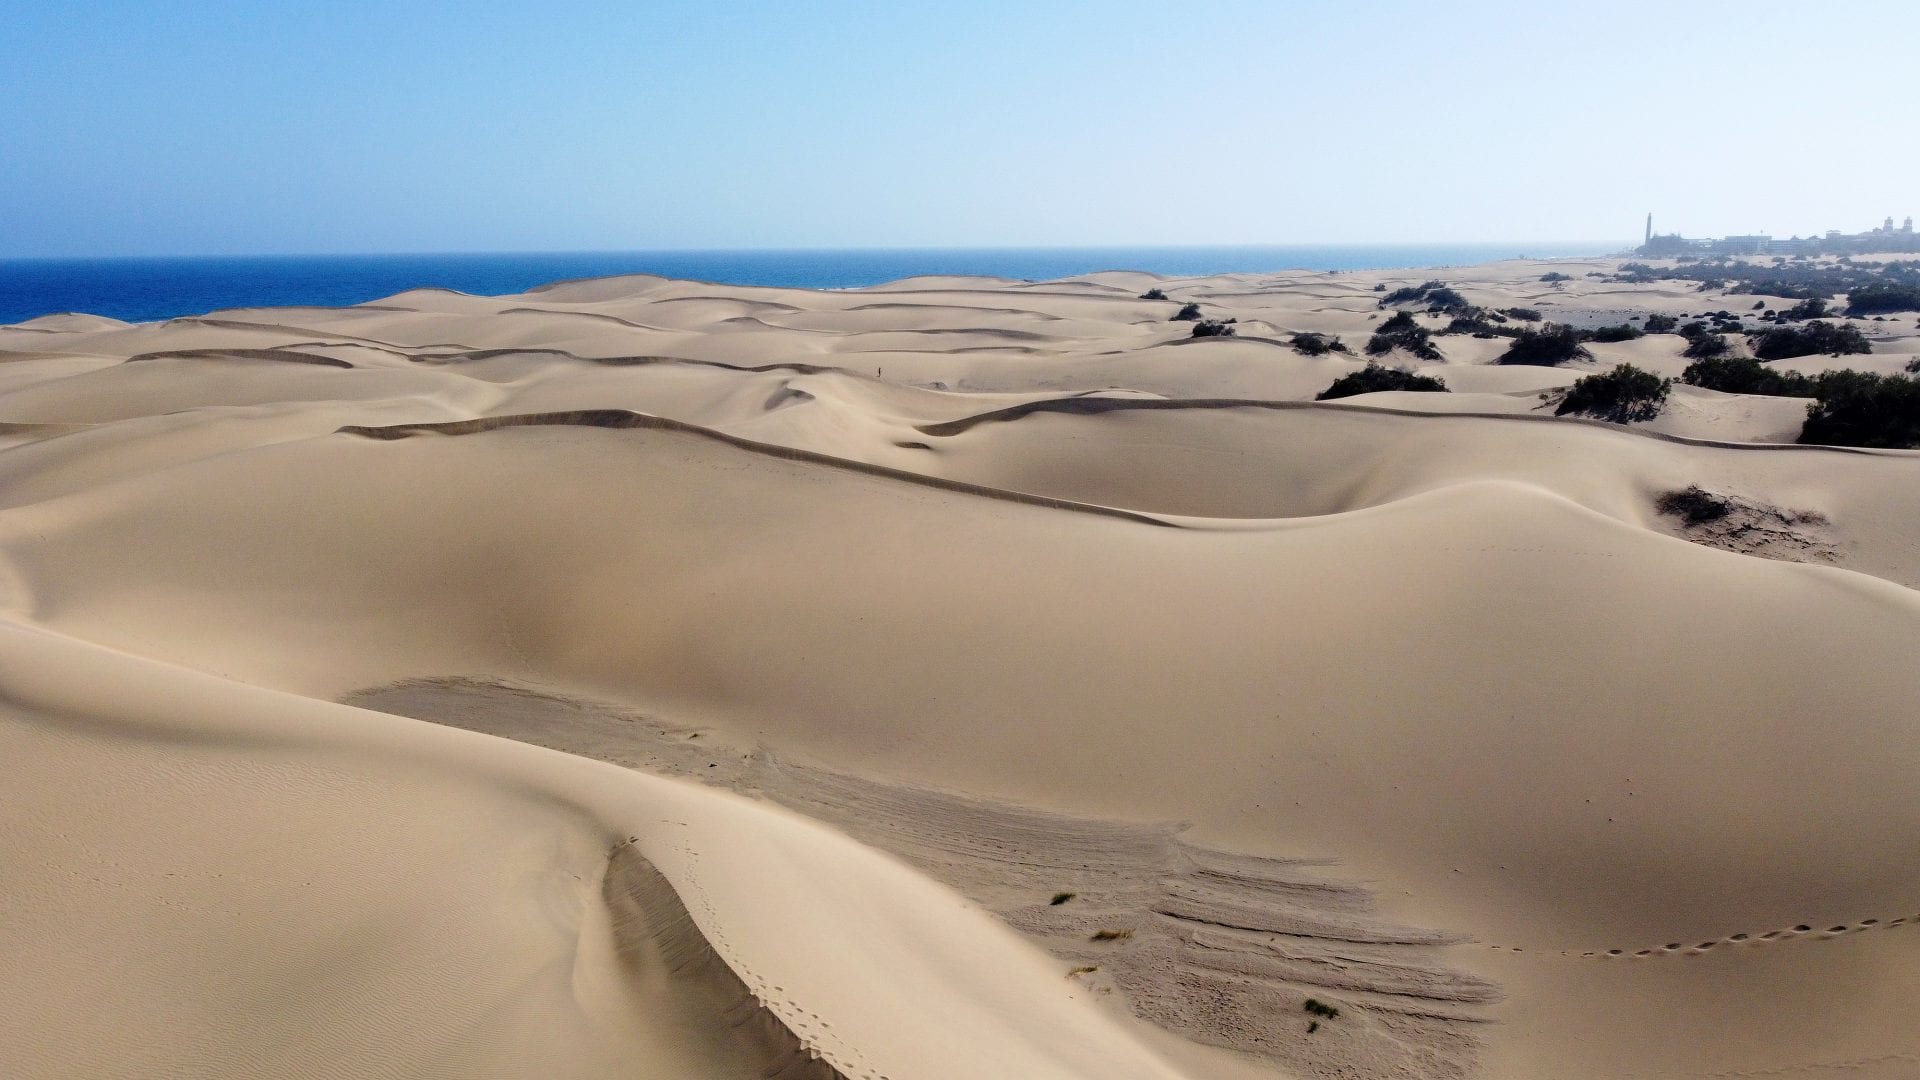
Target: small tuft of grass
{"type": "Point", "coordinates": [1111, 935]}
{"type": "Point", "coordinates": [1321, 1008]}
{"type": "Point", "coordinates": [1084, 969]}
{"type": "Point", "coordinates": [1061, 898]}
{"type": "Point", "coordinates": [1313, 1026]}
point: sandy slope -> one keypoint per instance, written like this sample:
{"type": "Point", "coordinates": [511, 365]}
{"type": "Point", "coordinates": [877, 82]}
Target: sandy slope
{"type": "Point", "coordinates": [1414, 704]}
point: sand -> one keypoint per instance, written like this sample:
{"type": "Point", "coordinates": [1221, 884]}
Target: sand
{"type": "Point", "coordinates": [664, 679]}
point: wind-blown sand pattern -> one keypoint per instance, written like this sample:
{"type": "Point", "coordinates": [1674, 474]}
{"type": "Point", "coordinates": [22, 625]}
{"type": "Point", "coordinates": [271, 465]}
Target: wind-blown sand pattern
{"type": "Point", "coordinates": [893, 616]}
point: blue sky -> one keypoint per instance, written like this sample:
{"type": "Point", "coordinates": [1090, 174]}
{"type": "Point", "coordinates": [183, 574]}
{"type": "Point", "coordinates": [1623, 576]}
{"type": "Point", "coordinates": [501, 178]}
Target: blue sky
{"type": "Point", "coordinates": [187, 127]}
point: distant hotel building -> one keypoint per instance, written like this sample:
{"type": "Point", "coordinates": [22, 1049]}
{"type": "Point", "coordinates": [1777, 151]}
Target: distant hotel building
{"type": "Point", "coordinates": [1885, 239]}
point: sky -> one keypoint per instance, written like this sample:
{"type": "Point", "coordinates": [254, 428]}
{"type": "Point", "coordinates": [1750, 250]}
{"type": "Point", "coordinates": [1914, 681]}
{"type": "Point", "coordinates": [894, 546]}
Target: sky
{"type": "Point", "coordinates": [176, 127]}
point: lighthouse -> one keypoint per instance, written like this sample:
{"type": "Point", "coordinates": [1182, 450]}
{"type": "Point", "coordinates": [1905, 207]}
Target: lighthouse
{"type": "Point", "coordinates": [1649, 238]}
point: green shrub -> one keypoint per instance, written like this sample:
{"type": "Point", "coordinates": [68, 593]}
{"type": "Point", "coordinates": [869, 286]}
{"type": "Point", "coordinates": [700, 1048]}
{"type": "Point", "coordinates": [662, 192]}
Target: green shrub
{"type": "Point", "coordinates": [1624, 395]}
{"type": "Point", "coordinates": [1555, 275]}
{"type": "Point", "coordinates": [1661, 324]}
{"type": "Point", "coordinates": [1524, 314]}
{"type": "Point", "coordinates": [1622, 332]}
{"type": "Point", "coordinates": [1702, 345]}
{"type": "Point", "coordinates": [1402, 332]}
{"type": "Point", "coordinates": [1477, 322]}
{"type": "Point", "coordinates": [1552, 344]}
{"type": "Point", "coordinates": [1374, 378]}
{"type": "Point", "coordinates": [1213, 328]}
{"type": "Point", "coordinates": [1857, 408]}
{"type": "Point", "coordinates": [1811, 339]}
{"type": "Point", "coordinates": [1317, 344]}
{"type": "Point", "coordinates": [1153, 294]}
{"type": "Point", "coordinates": [1883, 297]}
{"type": "Point", "coordinates": [1187, 313]}
{"type": "Point", "coordinates": [1745, 375]}
{"type": "Point", "coordinates": [1805, 309]}
{"type": "Point", "coordinates": [1411, 293]}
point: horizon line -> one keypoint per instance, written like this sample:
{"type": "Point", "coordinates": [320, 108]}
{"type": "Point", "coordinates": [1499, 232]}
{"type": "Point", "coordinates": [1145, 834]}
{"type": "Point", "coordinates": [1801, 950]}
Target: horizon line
{"type": "Point", "coordinates": [1296, 245]}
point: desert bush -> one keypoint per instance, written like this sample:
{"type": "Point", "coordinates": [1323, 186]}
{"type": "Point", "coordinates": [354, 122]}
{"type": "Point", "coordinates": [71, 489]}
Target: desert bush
{"type": "Point", "coordinates": [1554, 343]}
{"type": "Point", "coordinates": [1374, 378]}
{"type": "Point", "coordinates": [1882, 297]}
{"type": "Point", "coordinates": [1524, 314]}
{"type": "Point", "coordinates": [1213, 328]}
{"type": "Point", "coordinates": [1624, 395]}
{"type": "Point", "coordinates": [1703, 343]}
{"type": "Point", "coordinates": [1805, 309]}
{"type": "Point", "coordinates": [1555, 275]}
{"type": "Point", "coordinates": [1153, 294]}
{"type": "Point", "coordinates": [1858, 408]}
{"type": "Point", "coordinates": [1694, 505]}
{"type": "Point", "coordinates": [1447, 300]}
{"type": "Point", "coordinates": [1661, 324]}
{"type": "Point", "coordinates": [1745, 375]}
{"type": "Point", "coordinates": [1187, 313]}
{"type": "Point", "coordinates": [1317, 344]}
{"type": "Point", "coordinates": [1412, 293]}
{"type": "Point", "coordinates": [1622, 332]}
{"type": "Point", "coordinates": [1402, 332]}
{"type": "Point", "coordinates": [1813, 338]}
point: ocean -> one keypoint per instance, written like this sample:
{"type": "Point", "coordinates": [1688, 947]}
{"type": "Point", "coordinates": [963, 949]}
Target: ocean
{"type": "Point", "coordinates": [141, 289]}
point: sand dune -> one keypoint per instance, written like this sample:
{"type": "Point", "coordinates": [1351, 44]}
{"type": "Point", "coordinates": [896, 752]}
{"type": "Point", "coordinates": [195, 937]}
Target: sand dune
{"type": "Point", "coordinates": [985, 679]}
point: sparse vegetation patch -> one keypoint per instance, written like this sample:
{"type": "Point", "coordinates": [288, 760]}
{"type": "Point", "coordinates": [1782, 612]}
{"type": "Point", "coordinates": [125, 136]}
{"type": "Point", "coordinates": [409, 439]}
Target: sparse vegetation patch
{"type": "Point", "coordinates": [1375, 378]}
{"type": "Point", "coordinates": [1858, 408]}
{"type": "Point", "coordinates": [1402, 332]}
{"type": "Point", "coordinates": [1814, 338]}
{"type": "Point", "coordinates": [1693, 505]}
{"type": "Point", "coordinates": [1880, 297]}
{"type": "Point", "coordinates": [1317, 344]}
{"type": "Point", "coordinates": [1745, 375]}
{"type": "Point", "coordinates": [1552, 344]}
{"type": "Point", "coordinates": [1624, 395]}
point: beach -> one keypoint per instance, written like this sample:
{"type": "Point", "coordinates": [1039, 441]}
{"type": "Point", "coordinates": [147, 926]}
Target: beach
{"type": "Point", "coordinates": [954, 677]}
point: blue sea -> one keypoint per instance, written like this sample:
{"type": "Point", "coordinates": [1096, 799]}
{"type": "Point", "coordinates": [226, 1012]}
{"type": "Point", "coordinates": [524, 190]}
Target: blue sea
{"type": "Point", "coordinates": [140, 289]}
